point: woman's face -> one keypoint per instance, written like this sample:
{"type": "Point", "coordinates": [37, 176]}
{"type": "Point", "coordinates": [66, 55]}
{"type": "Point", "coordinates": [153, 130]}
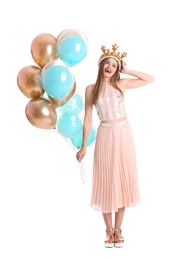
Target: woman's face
{"type": "Point", "coordinates": [110, 67]}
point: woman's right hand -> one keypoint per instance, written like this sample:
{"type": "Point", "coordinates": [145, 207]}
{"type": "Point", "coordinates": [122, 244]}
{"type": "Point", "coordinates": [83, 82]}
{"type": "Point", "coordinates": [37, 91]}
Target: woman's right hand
{"type": "Point", "coordinates": [80, 154]}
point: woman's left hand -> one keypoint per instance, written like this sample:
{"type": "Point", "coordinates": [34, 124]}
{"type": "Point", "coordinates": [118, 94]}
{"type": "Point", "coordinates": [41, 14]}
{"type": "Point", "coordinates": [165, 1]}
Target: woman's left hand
{"type": "Point", "coordinates": [123, 67]}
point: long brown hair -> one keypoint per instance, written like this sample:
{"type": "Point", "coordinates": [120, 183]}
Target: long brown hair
{"type": "Point", "coordinates": [100, 81]}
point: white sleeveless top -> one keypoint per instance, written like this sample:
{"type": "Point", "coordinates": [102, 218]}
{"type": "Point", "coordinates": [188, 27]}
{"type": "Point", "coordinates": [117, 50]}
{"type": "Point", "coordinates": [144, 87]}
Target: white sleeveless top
{"type": "Point", "coordinates": [110, 104]}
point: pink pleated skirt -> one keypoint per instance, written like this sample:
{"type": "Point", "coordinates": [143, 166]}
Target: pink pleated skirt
{"type": "Point", "coordinates": [114, 179]}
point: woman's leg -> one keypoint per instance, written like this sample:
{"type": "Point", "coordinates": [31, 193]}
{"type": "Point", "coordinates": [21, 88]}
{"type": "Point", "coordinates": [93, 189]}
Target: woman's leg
{"type": "Point", "coordinates": [108, 220]}
{"type": "Point", "coordinates": [119, 218]}
{"type": "Point", "coordinates": [109, 240]}
{"type": "Point", "coordinates": [119, 241]}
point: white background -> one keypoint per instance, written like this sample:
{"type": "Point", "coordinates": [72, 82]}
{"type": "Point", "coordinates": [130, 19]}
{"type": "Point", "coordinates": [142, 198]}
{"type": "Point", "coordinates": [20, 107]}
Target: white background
{"type": "Point", "coordinates": [44, 207]}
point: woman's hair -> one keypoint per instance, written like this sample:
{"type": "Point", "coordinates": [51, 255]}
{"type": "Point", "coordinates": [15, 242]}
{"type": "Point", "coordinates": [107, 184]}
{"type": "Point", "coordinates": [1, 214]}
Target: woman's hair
{"type": "Point", "coordinates": [100, 81]}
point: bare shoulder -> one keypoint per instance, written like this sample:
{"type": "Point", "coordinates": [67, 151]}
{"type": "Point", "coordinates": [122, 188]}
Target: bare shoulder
{"type": "Point", "coordinates": [89, 95]}
{"type": "Point", "coordinates": [89, 88]}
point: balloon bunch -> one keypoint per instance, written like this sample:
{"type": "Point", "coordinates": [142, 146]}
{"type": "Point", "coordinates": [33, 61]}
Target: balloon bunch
{"type": "Point", "coordinates": [55, 102]}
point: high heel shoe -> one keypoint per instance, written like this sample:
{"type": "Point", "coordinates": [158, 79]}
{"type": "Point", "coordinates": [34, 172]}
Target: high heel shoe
{"type": "Point", "coordinates": [109, 240]}
{"type": "Point", "coordinates": [118, 238]}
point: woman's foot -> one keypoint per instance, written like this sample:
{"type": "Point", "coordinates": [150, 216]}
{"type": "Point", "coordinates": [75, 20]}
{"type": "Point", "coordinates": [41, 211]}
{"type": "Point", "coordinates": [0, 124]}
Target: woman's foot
{"type": "Point", "coordinates": [109, 240]}
{"type": "Point", "coordinates": [118, 238]}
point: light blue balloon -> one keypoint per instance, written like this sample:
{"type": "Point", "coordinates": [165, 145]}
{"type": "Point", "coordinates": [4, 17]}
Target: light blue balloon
{"type": "Point", "coordinates": [75, 100]}
{"type": "Point", "coordinates": [57, 81]}
{"type": "Point", "coordinates": [77, 140]}
{"type": "Point", "coordinates": [72, 49]}
{"type": "Point", "coordinates": [69, 123]}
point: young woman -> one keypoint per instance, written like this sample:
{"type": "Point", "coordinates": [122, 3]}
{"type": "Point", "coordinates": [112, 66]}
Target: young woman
{"type": "Point", "coordinates": [114, 180]}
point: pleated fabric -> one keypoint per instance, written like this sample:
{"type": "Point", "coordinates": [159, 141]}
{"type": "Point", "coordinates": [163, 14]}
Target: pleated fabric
{"type": "Point", "coordinates": [114, 179]}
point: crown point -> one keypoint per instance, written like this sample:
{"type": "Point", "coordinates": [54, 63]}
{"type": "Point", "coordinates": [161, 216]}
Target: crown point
{"type": "Point", "coordinates": [114, 47]}
{"type": "Point", "coordinates": [124, 54]}
{"type": "Point", "coordinates": [103, 48]}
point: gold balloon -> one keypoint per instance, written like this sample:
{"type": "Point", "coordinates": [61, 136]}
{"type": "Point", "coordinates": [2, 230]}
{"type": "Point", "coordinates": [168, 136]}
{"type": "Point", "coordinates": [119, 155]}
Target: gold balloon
{"type": "Point", "coordinates": [29, 81]}
{"type": "Point", "coordinates": [44, 49]}
{"type": "Point", "coordinates": [41, 113]}
{"type": "Point", "coordinates": [61, 102]}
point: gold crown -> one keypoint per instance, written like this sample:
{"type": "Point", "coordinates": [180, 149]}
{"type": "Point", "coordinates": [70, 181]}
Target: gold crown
{"type": "Point", "coordinates": [108, 53]}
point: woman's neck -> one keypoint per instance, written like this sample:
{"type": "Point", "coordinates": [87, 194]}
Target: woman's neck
{"type": "Point", "coordinates": [106, 80]}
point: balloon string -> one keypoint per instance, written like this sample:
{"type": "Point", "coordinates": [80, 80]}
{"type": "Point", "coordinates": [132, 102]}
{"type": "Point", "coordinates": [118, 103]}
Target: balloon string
{"type": "Point", "coordinates": [82, 163]}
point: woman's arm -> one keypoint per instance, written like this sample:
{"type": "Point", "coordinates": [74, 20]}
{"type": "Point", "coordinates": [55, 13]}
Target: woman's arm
{"type": "Point", "coordinates": [140, 79]}
{"type": "Point", "coordinates": [87, 122]}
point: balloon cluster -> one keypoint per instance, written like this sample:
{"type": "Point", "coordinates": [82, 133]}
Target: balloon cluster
{"type": "Point", "coordinates": [55, 102]}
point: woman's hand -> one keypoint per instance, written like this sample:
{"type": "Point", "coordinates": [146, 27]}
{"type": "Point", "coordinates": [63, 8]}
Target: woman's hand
{"type": "Point", "coordinates": [80, 154]}
{"type": "Point", "coordinates": [123, 67]}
